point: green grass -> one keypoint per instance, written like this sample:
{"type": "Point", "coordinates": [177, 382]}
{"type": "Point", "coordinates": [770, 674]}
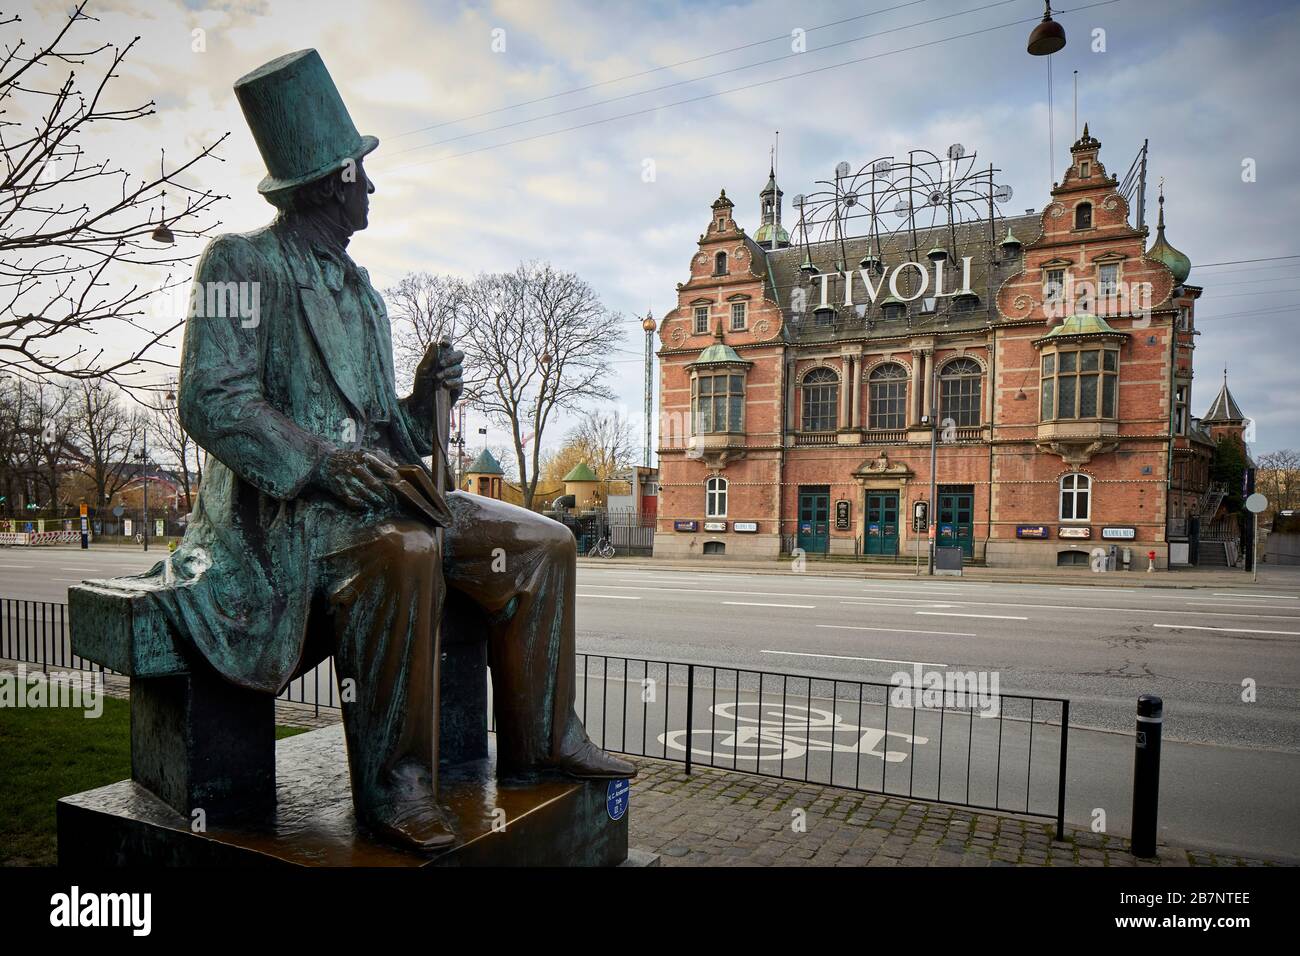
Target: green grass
{"type": "Point", "coordinates": [48, 753]}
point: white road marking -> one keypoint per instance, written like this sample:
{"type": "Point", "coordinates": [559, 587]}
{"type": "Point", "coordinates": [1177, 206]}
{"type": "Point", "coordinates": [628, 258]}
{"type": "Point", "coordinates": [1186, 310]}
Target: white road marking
{"type": "Point", "coordinates": [16, 567]}
{"type": "Point", "coordinates": [893, 630]}
{"type": "Point", "coordinates": [1016, 604]}
{"type": "Point", "coordinates": [81, 569]}
{"type": "Point", "coordinates": [920, 590]}
{"type": "Point", "coordinates": [900, 606]}
{"type": "Point", "coordinates": [840, 657]}
{"type": "Point", "coordinates": [807, 607]}
{"type": "Point", "coordinates": [1088, 588]}
{"type": "Point", "coordinates": [1267, 597]}
{"type": "Point", "coordinates": [1231, 630]}
{"type": "Point", "coordinates": [992, 617]}
{"type": "Point", "coordinates": [1267, 607]}
{"type": "Point", "coordinates": [633, 587]}
{"type": "Point", "coordinates": [612, 597]}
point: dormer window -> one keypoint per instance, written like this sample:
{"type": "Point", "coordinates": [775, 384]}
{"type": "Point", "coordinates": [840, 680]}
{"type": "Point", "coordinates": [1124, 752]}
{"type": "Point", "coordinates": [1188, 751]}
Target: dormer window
{"type": "Point", "coordinates": [1083, 216]}
{"type": "Point", "coordinates": [720, 260]}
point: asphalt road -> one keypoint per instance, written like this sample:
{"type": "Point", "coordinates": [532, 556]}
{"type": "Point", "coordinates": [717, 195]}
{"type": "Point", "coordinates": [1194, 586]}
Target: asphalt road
{"type": "Point", "coordinates": [1231, 768]}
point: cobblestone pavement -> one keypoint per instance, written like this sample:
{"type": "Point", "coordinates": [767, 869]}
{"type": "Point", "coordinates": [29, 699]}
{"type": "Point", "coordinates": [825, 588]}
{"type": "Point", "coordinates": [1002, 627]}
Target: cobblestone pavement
{"type": "Point", "coordinates": [720, 818]}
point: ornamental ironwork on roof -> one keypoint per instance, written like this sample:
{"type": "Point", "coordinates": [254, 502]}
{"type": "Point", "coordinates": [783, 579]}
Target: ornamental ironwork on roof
{"type": "Point", "coordinates": [1224, 408]}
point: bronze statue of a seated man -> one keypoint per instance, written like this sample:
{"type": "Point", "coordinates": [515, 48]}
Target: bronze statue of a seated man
{"type": "Point", "coordinates": [318, 529]}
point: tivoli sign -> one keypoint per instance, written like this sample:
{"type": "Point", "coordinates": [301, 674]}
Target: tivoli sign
{"type": "Point", "coordinates": [890, 280]}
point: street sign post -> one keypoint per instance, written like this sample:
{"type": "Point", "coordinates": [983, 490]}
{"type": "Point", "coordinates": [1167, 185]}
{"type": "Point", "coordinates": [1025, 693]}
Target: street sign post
{"type": "Point", "coordinates": [1255, 504]}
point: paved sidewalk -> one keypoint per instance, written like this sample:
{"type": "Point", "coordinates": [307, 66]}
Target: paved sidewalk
{"type": "Point", "coordinates": [720, 818]}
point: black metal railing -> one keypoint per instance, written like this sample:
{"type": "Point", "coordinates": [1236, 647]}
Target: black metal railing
{"type": "Point", "coordinates": [964, 744]}
{"type": "Point", "coordinates": [988, 751]}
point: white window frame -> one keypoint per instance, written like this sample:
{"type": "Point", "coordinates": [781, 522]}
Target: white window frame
{"type": "Point", "coordinates": [715, 494]}
{"type": "Point", "coordinates": [701, 309]}
{"type": "Point", "coordinates": [1080, 484]}
{"type": "Point", "coordinates": [744, 316]}
{"type": "Point", "coordinates": [1048, 287]}
{"type": "Point", "coordinates": [1105, 291]}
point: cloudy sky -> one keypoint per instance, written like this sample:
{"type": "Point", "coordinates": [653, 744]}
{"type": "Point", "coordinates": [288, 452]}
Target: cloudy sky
{"type": "Point", "coordinates": [523, 129]}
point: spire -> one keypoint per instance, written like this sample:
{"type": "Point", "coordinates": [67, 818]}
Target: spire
{"type": "Point", "coordinates": [1085, 142]}
{"type": "Point", "coordinates": [1174, 260]}
{"type": "Point", "coordinates": [770, 234]}
{"type": "Point", "coordinates": [1224, 409]}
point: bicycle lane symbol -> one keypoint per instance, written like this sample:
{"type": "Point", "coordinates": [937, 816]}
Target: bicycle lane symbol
{"type": "Point", "coordinates": [787, 734]}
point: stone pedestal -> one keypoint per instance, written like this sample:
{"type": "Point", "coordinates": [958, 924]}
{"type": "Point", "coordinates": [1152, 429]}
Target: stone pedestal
{"type": "Point", "coordinates": [555, 821]}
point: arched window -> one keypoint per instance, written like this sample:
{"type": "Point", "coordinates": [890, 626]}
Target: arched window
{"type": "Point", "coordinates": [1076, 497]}
{"type": "Point", "coordinates": [888, 397]}
{"type": "Point", "coordinates": [959, 391]}
{"type": "Point", "coordinates": [720, 264]}
{"type": "Point", "coordinates": [1083, 216]}
{"type": "Point", "coordinates": [821, 400]}
{"type": "Point", "coordinates": [715, 498]}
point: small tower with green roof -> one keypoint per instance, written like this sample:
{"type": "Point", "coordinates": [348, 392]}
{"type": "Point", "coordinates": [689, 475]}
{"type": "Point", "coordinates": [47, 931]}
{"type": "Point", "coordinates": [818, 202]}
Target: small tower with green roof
{"type": "Point", "coordinates": [484, 476]}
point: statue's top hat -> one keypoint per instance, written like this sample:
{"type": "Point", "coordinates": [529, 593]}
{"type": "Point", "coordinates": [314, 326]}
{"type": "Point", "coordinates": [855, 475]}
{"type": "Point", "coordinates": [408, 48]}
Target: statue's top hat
{"type": "Point", "coordinates": [298, 120]}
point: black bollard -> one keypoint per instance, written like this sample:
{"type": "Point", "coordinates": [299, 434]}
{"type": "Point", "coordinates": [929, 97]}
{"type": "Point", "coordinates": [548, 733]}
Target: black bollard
{"type": "Point", "coordinates": [1146, 774]}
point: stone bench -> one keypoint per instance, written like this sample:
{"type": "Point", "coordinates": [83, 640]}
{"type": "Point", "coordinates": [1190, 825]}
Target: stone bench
{"type": "Point", "coordinates": [200, 742]}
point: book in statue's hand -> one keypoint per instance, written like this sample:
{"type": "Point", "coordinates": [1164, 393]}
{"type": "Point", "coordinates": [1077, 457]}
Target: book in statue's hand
{"type": "Point", "coordinates": [417, 495]}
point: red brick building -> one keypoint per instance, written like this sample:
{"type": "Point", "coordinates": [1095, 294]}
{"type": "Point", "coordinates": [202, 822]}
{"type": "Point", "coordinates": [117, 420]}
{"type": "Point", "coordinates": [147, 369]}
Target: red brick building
{"type": "Point", "coordinates": [1052, 352]}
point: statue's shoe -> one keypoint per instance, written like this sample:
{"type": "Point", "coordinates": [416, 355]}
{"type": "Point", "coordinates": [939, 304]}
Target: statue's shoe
{"type": "Point", "coordinates": [414, 825]}
{"type": "Point", "coordinates": [589, 762]}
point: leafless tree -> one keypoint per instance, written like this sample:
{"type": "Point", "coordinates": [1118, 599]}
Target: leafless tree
{"type": "Point", "coordinates": [35, 449]}
{"type": "Point", "coordinates": [535, 340]}
{"type": "Point", "coordinates": [1277, 478]}
{"type": "Point", "coordinates": [107, 430]}
{"type": "Point", "coordinates": [173, 443]}
{"type": "Point", "coordinates": [607, 441]}
{"type": "Point", "coordinates": [423, 308]}
{"type": "Point", "coordinates": [70, 223]}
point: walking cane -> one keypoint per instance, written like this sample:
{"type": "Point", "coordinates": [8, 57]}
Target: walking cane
{"type": "Point", "coordinates": [441, 481]}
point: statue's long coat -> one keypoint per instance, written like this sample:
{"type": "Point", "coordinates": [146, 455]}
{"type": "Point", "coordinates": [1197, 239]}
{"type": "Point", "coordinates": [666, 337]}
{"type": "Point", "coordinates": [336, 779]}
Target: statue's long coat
{"type": "Point", "coordinates": [268, 399]}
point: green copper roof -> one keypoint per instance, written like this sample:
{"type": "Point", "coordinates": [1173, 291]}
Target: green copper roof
{"type": "Point", "coordinates": [1175, 261]}
{"type": "Point", "coordinates": [718, 353]}
{"type": "Point", "coordinates": [581, 473]}
{"type": "Point", "coordinates": [1082, 325]}
{"type": "Point", "coordinates": [1010, 239]}
{"type": "Point", "coordinates": [764, 235]}
{"type": "Point", "coordinates": [484, 464]}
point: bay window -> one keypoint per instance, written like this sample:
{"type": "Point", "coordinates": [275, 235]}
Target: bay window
{"type": "Point", "coordinates": [1079, 383]}
{"type": "Point", "coordinates": [717, 403]}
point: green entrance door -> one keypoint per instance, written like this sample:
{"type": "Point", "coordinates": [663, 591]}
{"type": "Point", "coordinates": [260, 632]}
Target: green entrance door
{"type": "Point", "coordinates": [882, 522]}
{"type": "Point", "coordinates": [956, 519]}
{"type": "Point", "coordinates": [814, 519]}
